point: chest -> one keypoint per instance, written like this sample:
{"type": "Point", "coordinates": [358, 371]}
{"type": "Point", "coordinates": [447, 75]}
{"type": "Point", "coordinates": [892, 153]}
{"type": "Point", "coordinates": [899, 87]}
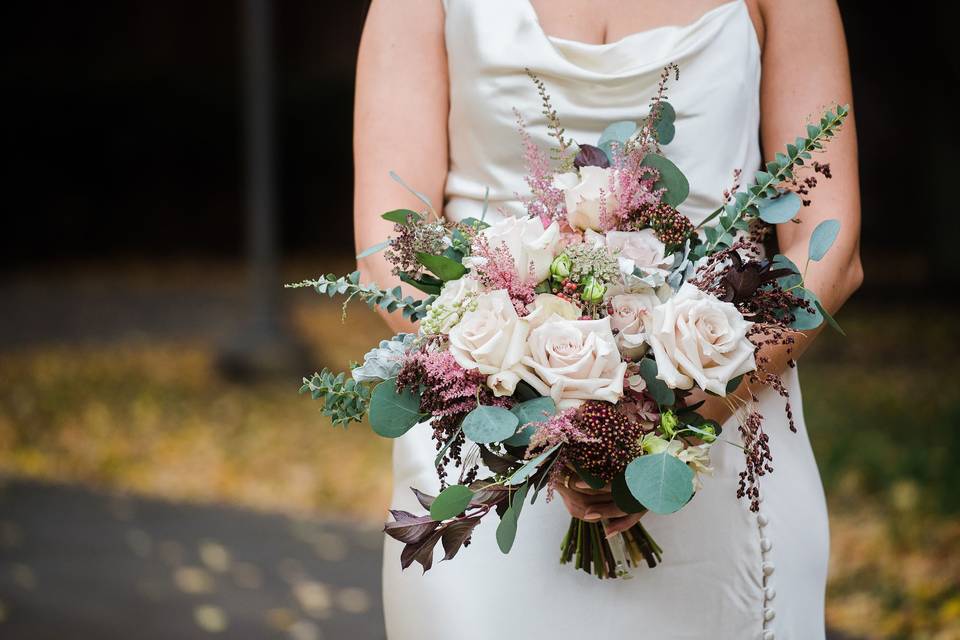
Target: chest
{"type": "Point", "coordinates": [601, 22]}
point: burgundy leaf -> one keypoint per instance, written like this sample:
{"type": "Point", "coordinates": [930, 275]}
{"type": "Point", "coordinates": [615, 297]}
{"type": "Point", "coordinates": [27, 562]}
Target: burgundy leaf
{"type": "Point", "coordinates": [590, 156]}
{"type": "Point", "coordinates": [456, 534]}
{"type": "Point", "coordinates": [422, 551]}
{"type": "Point", "coordinates": [497, 463]}
{"type": "Point", "coordinates": [410, 528]}
{"type": "Point", "coordinates": [424, 499]}
{"type": "Point", "coordinates": [485, 493]}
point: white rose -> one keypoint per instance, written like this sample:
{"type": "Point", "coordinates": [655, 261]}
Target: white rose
{"type": "Point", "coordinates": [492, 339]}
{"type": "Point", "coordinates": [454, 299]}
{"type": "Point", "coordinates": [547, 305]}
{"type": "Point", "coordinates": [630, 315]}
{"type": "Point", "coordinates": [574, 360]}
{"type": "Point", "coordinates": [639, 249]}
{"type": "Point", "coordinates": [697, 338]}
{"type": "Point", "coordinates": [582, 195]}
{"type": "Point", "coordinates": [528, 243]}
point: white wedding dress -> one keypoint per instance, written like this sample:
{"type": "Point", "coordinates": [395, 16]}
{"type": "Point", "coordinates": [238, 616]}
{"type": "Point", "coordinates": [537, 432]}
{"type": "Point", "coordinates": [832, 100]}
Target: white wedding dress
{"type": "Point", "coordinates": [727, 573]}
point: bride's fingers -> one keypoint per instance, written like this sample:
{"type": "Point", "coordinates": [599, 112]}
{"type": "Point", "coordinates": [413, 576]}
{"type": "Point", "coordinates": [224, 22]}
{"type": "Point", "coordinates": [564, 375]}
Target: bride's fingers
{"type": "Point", "coordinates": [619, 525]}
{"type": "Point", "coordinates": [583, 487]}
{"type": "Point", "coordinates": [601, 510]}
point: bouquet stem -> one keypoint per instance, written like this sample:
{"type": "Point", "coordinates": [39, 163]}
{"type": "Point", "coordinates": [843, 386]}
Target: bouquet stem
{"type": "Point", "coordinates": [587, 546]}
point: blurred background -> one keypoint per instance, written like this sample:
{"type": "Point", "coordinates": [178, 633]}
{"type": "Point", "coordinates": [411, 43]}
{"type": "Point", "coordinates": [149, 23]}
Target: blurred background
{"type": "Point", "coordinates": [173, 164]}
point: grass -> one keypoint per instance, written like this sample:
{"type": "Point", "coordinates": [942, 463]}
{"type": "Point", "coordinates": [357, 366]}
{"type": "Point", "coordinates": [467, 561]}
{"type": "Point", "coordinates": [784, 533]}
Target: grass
{"type": "Point", "coordinates": [883, 408]}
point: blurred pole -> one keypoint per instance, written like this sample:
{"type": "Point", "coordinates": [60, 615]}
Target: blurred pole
{"type": "Point", "coordinates": [265, 346]}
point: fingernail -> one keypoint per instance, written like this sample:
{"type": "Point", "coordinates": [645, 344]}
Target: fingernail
{"type": "Point", "coordinates": [591, 516]}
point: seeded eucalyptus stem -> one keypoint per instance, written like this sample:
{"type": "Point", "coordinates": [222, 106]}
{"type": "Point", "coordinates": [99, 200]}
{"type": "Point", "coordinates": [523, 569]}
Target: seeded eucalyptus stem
{"type": "Point", "coordinates": [779, 170]}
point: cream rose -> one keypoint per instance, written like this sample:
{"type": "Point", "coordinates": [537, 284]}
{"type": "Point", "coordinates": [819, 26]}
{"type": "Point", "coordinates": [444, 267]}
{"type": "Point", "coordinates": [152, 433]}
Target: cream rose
{"type": "Point", "coordinates": [629, 317]}
{"type": "Point", "coordinates": [547, 305]}
{"type": "Point", "coordinates": [574, 360]}
{"type": "Point", "coordinates": [528, 242]}
{"type": "Point", "coordinates": [492, 339]}
{"type": "Point", "coordinates": [582, 195]}
{"type": "Point", "coordinates": [697, 338]}
{"type": "Point", "coordinates": [639, 249]}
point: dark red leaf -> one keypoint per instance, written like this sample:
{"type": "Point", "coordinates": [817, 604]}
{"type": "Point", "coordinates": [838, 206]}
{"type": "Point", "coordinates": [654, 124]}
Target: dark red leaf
{"type": "Point", "coordinates": [410, 528]}
{"type": "Point", "coordinates": [422, 551]}
{"type": "Point", "coordinates": [498, 464]}
{"type": "Point", "coordinates": [456, 533]}
{"type": "Point", "coordinates": [424, 499]}
{"type": "Point", "coordinates": [590, 156]}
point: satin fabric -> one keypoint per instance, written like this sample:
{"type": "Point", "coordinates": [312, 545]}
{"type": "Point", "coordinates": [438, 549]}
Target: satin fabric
{"type": "Point", "coordinates": [726, 572]}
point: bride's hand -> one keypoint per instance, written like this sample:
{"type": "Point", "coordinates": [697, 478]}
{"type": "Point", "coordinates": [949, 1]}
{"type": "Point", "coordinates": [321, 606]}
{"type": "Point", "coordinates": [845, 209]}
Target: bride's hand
{"type": "Point", "coordinates": [592, 505]}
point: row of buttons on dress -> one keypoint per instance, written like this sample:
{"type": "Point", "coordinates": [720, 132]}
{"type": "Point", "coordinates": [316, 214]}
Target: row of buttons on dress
{"type": "Point", "coordinates": [768, 591]}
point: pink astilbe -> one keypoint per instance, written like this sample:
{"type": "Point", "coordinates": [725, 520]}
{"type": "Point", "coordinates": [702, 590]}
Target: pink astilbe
{"type": "Point", "coordinates": [558, 429]}
{"type": "Point", "coordinates": [497, 270]}
{"type": "Point", "coordinates": [547, 201]}
{"type": "Point", "coordinates": [448, 392]}
{"type": "Point", "coordinates": [633, 185]}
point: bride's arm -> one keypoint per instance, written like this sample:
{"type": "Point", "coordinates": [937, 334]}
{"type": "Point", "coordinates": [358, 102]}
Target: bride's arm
{"type": "Point", "coordinates": [400, 123]}
{"type": "Point", "coordinates": [805, 71]}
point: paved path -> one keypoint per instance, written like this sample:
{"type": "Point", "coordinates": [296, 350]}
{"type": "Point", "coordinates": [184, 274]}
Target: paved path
{"type": "Point", "coordinates": [88, 566]}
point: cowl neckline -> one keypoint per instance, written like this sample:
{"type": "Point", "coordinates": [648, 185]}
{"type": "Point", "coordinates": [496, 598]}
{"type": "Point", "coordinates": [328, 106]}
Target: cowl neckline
{"type": "Point", "coordinates": [624, 56]}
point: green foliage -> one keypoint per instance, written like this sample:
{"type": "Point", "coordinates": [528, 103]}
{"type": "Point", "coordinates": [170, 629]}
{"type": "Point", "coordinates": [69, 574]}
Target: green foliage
{"type": "Point", "coordinates": [529, 412]}
{"type": "Point", "coordinates": [657, 388]}
{"type": "Point", "coordinates": [444, 267]}
{"type": "Point", "coordinates": [671, 178]}
{"type": "Point", "coordinates": [487, 424]}
{"type": "Point", "coordinates": [780, 209]}
{"type": "Point", "coordinates": [402, 216]}
{"type": "Point", "coordinates": [746, 205]}
{"type": "Point", "coordinates": [393, 413]}
{"type": "Point", "coordinates": [391, 300]}
{"type": "Point", "coordinates": [660, 482]}
{"type": "Point", "coordinates": [344, 399]}
{"type": "Point", "coordinates": [664, 125]}
{"type": "Point", "coordinates": [622, 497]}
{"type": "Point", "coordinates": [530, 466]}
{"type": "Point", "coordinates": [617, 133]}
{"type": "Point", "coordinates": [451, 502]}
{"type": "Point", "coordinates": [507, 529]}
{"type": "Point", "coordinates": [822, 238]}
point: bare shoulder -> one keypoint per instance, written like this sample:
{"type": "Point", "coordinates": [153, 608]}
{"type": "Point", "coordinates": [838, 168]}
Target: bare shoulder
{"type": "Point", "coordinates": [405, 17]}
{"type": "Point", "coordinates": [788, 20]}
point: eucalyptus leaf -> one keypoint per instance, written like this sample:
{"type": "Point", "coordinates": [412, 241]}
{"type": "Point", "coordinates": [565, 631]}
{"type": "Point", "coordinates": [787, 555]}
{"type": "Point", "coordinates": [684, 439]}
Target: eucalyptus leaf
{"type": "Point", "coordinates": [806, 320]}
{"type": "Point", "coordinates": [660, 482]}
{"type": "Point", "coordinates": [829, 318]}
{"type": "Point", "coordinates": [822, 238]}
{"type": "Point", "coordinates": [530, 467]}
{"type": "Point", "coordinates": [671, 178]}
{"type": "Point", "coordinates": [424, 199]}
{"type": "Point", "coordinates": [487, 424]}
{"type": "Point", "coordinates": [664, 125]}
{"type": "Point", "coordinates": [536, 410]}
{"type": "Point", "coordinates": [507, 529]}
{"type": "Point", "coordinates": [781, 209]}
{"type": "Point", "coordinates": [377, 248]}
{"type": "Point", "coordinates": [618, 132]}
{"type": "Point", "coordinates": [451, 502]}
{"type": "Point", "coordinates": [781, 261]}
{"type": "Point", "coordinates": [392, 414]}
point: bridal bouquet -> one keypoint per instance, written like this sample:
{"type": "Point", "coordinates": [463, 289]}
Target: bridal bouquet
{"type": "Point", "coordinates": [570, 341]}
